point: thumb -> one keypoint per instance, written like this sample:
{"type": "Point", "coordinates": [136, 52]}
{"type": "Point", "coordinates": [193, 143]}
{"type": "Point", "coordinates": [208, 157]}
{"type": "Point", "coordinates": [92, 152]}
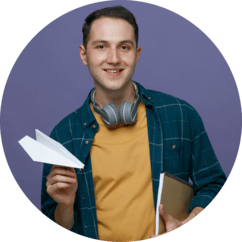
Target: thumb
{"type": "Point", "coordinates": [167, 217]}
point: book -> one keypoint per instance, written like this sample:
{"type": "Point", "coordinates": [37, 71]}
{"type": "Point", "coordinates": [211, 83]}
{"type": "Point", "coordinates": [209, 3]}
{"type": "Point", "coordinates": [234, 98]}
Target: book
{"type": "Point", "coordinates": [175, 195]}
{"type": "Point", "coordinates": [46, 150]}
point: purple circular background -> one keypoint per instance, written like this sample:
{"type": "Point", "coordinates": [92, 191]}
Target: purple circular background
{"type": "Point", "coordinates": [48, 81]}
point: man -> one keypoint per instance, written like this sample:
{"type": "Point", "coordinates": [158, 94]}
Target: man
{"type": "Point", "coordinates": [114, 197]}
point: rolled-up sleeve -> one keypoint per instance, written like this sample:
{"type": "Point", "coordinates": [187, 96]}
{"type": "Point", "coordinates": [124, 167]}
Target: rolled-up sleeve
{"type": "Point", "coordinates": [206, 173]}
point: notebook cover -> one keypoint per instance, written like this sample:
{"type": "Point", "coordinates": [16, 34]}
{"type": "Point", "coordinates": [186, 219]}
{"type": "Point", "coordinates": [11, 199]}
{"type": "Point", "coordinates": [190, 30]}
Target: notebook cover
{"type": "Point", "coordinates": [176, 197]}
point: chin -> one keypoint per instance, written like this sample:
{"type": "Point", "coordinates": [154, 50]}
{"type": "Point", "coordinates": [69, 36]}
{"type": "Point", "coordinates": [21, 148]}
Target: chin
{"type": "Point", "coordinates": [112, 85]}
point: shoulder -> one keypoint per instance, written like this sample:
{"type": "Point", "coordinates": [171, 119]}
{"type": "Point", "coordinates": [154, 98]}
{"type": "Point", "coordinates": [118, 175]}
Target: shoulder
{"type": "Point", "coordinates": [172, 106]}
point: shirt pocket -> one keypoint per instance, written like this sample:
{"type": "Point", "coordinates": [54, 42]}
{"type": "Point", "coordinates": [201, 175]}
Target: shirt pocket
{"type": "Point", "coordinates": [172, 157]}
{"type": "Point", "coordinates": [172, 148]}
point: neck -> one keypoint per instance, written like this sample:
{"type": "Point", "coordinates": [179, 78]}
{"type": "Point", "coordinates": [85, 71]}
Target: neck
{"type": "Point", "coordinates": [104, 97]}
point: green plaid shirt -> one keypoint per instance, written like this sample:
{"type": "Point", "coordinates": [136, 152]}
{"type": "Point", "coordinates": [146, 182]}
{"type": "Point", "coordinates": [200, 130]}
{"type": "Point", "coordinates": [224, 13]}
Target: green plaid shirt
{"type": "Point", "coordinates": [178, 144]}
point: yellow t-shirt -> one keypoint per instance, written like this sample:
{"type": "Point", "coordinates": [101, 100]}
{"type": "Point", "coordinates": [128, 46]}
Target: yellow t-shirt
{"type": "Point", "coordinates": [122, 181]}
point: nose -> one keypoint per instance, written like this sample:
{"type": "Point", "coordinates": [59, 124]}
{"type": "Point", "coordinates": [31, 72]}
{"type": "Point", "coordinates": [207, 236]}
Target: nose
{"type": "Point", "coordinates": [113, 57]}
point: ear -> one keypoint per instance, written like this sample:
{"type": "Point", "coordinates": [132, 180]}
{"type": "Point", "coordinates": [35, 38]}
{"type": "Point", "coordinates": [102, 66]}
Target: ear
{"type": "Point", "coordinates": [138, 51]}
{"type": "Point", "coordinates": [83, 54]}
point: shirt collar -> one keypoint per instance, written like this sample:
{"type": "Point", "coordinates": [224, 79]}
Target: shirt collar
{"type": "Point", "coordinates": [87, 117]}
{"type": "Point", "coordinates": [146, 97]}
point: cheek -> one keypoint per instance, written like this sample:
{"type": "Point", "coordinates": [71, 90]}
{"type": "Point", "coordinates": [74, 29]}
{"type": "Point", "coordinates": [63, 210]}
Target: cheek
{"type": "Point", "coordinates": [129, 60]}
{"type": "Point", "coordinates": [95, 59]}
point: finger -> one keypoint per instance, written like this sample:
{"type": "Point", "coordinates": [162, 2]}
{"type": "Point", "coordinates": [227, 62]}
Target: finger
{"type": "Point", "coordinates": [55, 166]}
{"type": "Point", "coordinates": [67, 168]}
{"type": "Point", "coordinates": [152, 235]}
{"type": "Point", "coordinates": [57, 186]}
{"type": "Point", "coordinates": [70, 168]}
{"type": "Point", "coordinates": [62, 179]}
{"type": "Point", "coordinates": [62, 167]}
{"type": "Point", "coordinates": [62, 171]}
{"type": "Point", "coordinates": [167, 217]}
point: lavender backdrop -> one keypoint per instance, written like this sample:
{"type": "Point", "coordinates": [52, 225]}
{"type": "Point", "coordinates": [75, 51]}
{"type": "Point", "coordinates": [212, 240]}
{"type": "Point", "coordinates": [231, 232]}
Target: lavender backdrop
{"type": "Point", "coordinates": [48, 81]}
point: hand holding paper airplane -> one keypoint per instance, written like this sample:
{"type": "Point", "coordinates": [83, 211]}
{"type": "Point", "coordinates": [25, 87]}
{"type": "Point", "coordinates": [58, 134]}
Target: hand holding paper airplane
{"type": "Point", "coordinates": [46, 150]}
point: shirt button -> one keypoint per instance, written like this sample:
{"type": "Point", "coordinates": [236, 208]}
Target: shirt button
{"type": "Point", "coordinates": [173, 146]}
{"type": "Point", "coordinates": [149, 98]}
{"type": "Point", "coordinates": [94, 126]}
{"type": "Point", "coordinates": [80, 169]}
{"type": "Point", "coordinates": [86, 142]}
{"type": "Point", "coordinates": [85, 124]}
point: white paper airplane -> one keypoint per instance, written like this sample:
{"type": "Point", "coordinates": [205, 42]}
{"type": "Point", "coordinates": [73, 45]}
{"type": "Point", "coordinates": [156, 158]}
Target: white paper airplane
{"type": "Point", "coordinates": [46, 150]}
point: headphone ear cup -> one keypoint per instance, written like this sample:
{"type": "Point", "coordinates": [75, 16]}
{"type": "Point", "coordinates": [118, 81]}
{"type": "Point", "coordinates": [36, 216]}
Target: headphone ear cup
{"type": "Point", "coordinates": [125, 112]}
{"type": "Point", "coordinates": [112, 114]}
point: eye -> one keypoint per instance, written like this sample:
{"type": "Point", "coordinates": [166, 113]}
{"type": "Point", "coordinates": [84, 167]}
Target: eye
{"type": "Point", "coordinates": [101, 47]}
{"type": "Point", "coordinates": [125, 47]}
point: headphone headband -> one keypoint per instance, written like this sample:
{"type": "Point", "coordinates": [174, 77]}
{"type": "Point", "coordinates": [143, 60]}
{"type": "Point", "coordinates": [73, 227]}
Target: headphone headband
{"type": "Point", "coordinates": [111, 116]}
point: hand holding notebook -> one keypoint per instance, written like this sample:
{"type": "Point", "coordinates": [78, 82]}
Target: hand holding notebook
{"type": "Point", "coordinates": [175, 195]}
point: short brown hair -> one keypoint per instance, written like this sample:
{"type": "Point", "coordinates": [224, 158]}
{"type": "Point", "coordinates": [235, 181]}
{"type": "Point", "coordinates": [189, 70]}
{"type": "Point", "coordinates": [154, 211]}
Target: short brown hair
{"type": "Point", "coordinates": [112, 12]}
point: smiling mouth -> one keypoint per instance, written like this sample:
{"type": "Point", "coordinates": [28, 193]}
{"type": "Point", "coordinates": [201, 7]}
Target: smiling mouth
{"type": "Point", "coordinates": [112, 70]}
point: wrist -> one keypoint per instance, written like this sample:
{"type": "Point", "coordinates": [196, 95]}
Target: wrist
{"type": "Point", "coordinates": [65, 207]}
{"type": "Point", "coordinates": [64, 215]}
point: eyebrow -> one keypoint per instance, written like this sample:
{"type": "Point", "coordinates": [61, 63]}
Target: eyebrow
{"type": "Point", "coordinates": [128, 42]}
{"type": "Point", "coordinates": [121, 42]}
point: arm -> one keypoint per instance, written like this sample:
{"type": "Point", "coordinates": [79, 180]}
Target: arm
{"type": "Point", "coordinates": [206, 173]}
{"type": "Point", "coordinates": [61, 186]}
{"type": "Point", "coordinates": [58, 195]}
{"type": "Point", "coordinates": [54, 210]}
{"type": "Point", "coordinates": [64, 216]}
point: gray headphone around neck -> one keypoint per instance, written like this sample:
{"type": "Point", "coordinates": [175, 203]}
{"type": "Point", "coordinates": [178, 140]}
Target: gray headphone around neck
{"type": "Point", "coordinates": [111, 116]}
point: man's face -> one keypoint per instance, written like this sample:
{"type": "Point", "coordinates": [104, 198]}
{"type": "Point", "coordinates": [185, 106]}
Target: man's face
{"type": "Point", "coordinates": [111, 53]}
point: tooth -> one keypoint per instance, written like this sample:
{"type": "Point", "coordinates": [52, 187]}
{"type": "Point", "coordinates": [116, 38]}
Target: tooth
{"type": "Point", "coordinates": [112, 71]}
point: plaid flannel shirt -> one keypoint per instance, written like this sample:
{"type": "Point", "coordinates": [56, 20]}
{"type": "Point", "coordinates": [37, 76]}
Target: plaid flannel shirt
{"type": "Point", "coordinates": [178, 144]}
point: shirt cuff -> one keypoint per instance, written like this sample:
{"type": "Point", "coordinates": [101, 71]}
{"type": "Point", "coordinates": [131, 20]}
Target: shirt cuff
{"type": "Point", "coordinates": [50, 214]}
